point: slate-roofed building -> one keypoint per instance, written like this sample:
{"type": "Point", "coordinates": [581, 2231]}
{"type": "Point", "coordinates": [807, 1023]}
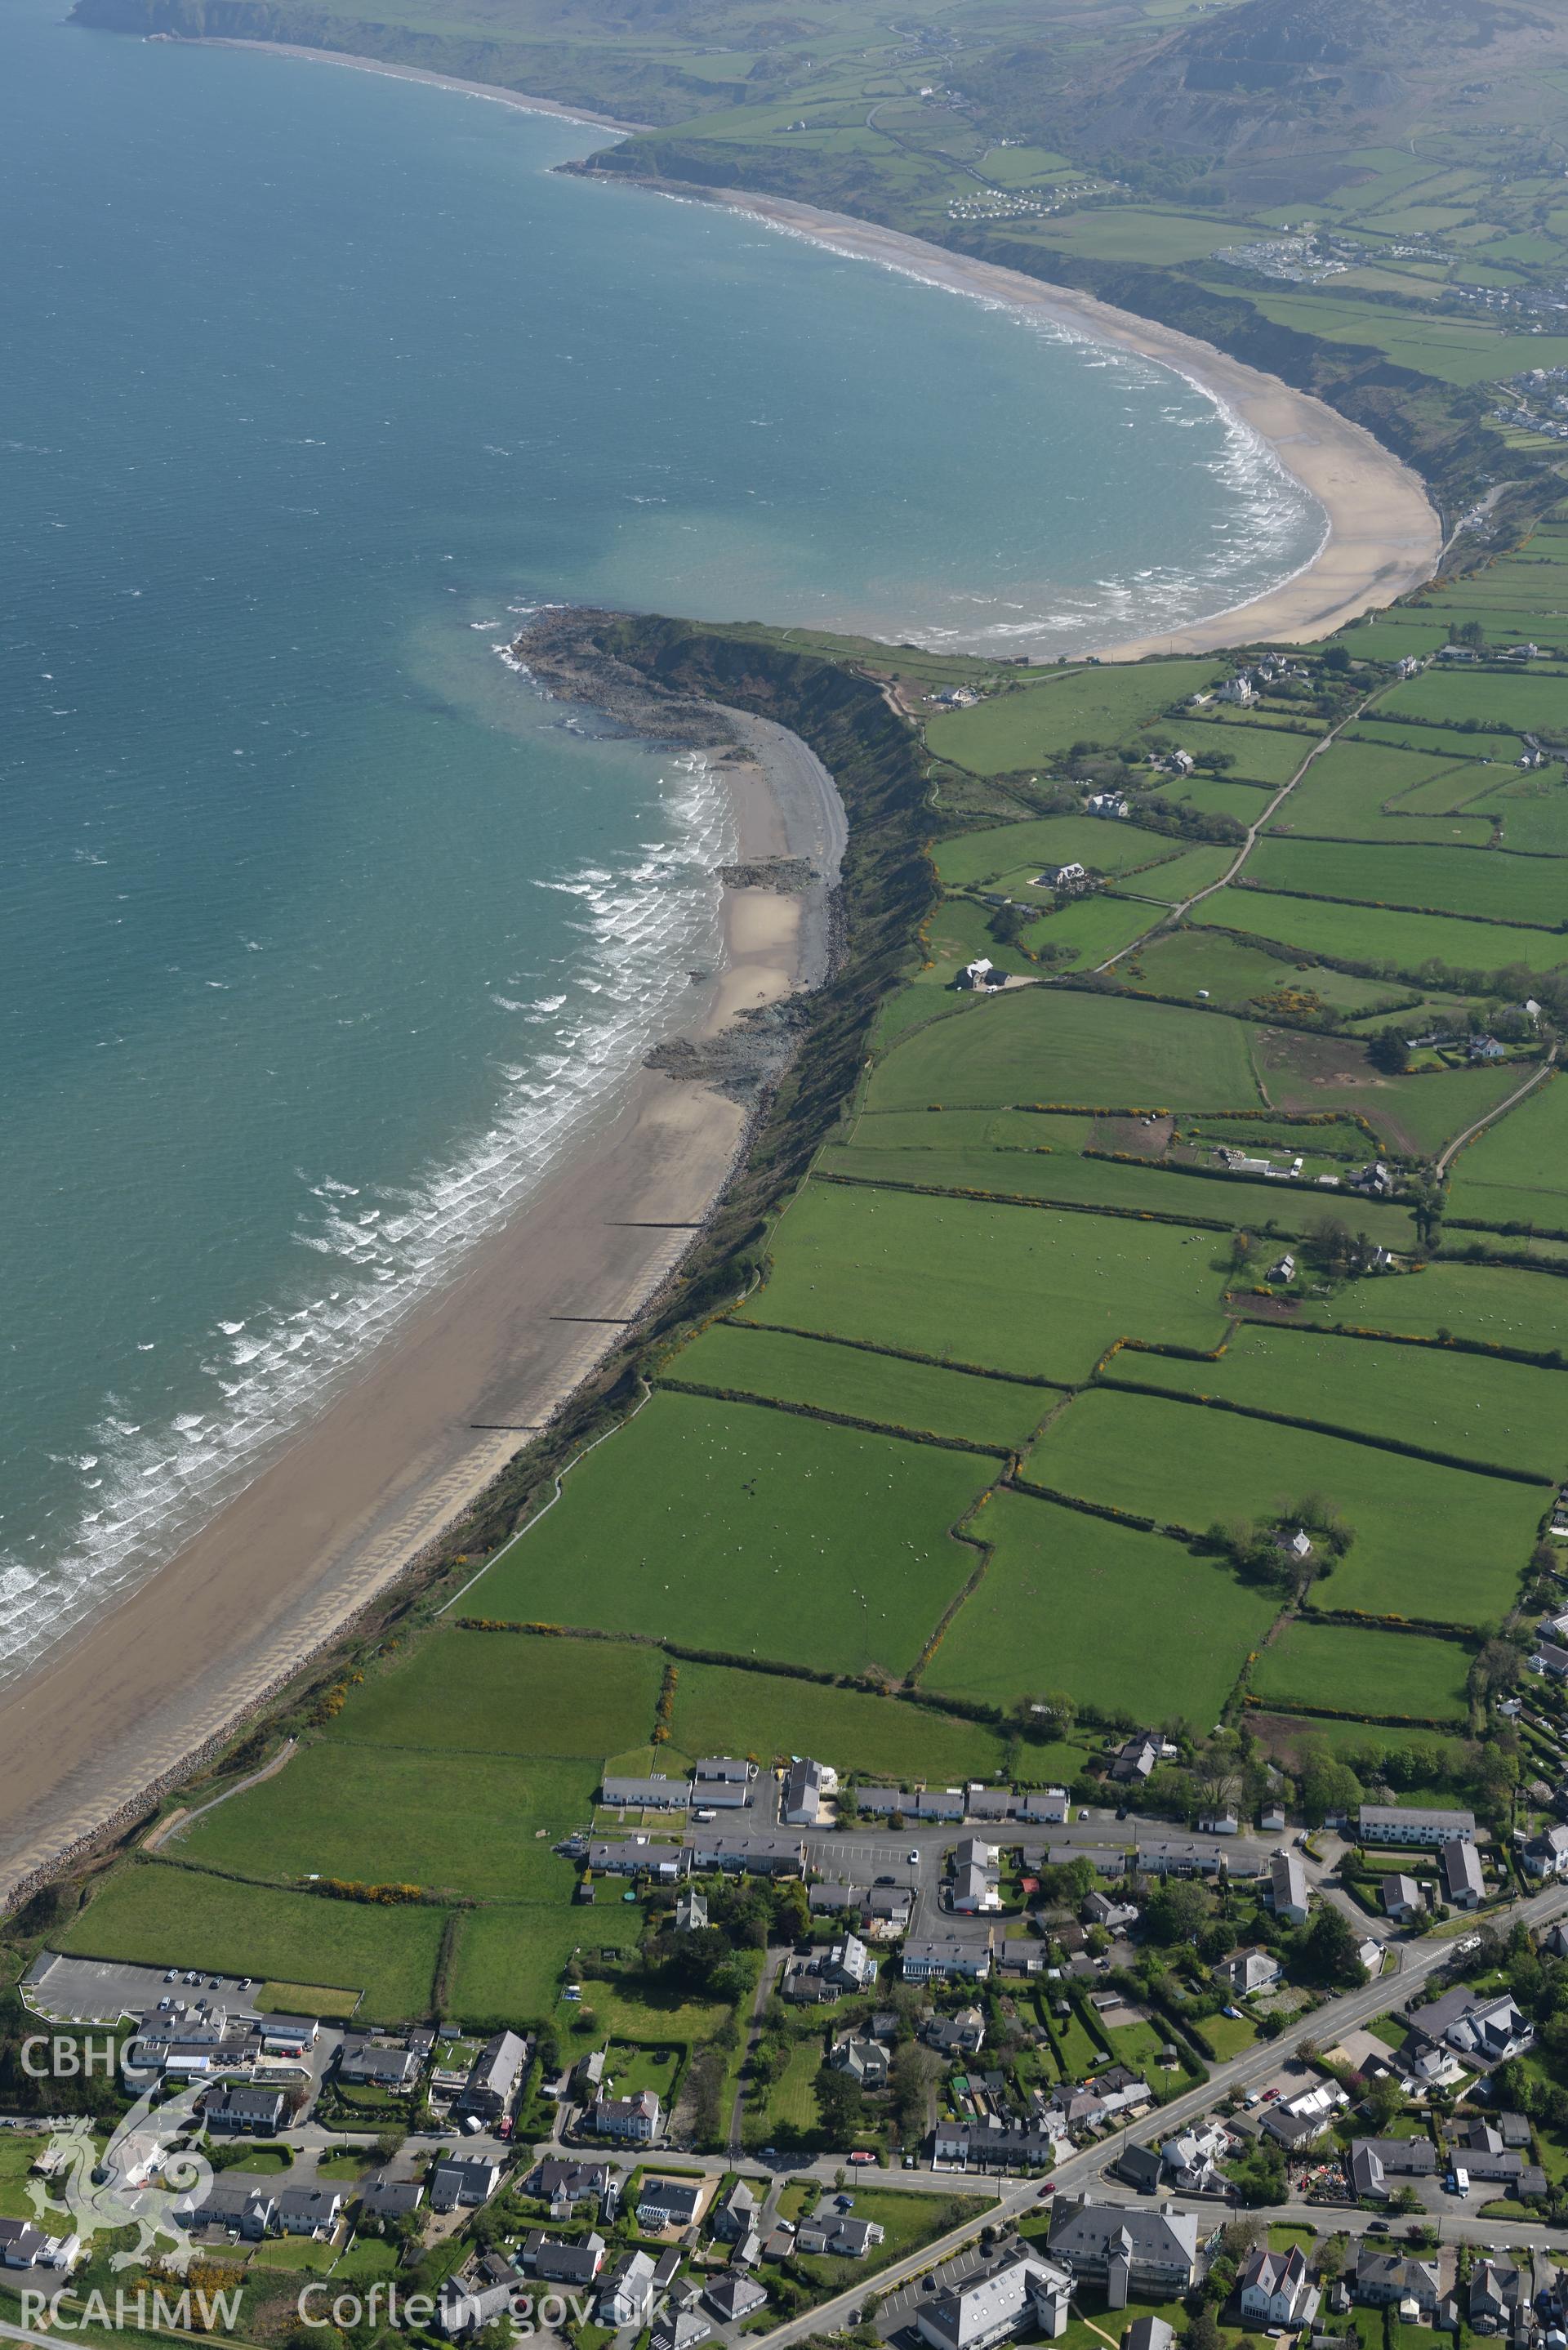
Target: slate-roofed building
{"type": "Point", "coordinates": [493, 2078]}
{"type": "Point", "coordinates": [657, 1793]}
{"type": "Point", "coordinates": [1125, 2247]}
{"type": "Point", "coordinates": [1028, 2293]}
{"type": "Point", "coordinates": [1414, 1824]}
{"type": "Point", "coordinates": [245, 2109]}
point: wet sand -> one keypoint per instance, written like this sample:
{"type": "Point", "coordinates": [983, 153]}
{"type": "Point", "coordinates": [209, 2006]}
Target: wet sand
{"type": "Point", "coordinates": [130, 1698]}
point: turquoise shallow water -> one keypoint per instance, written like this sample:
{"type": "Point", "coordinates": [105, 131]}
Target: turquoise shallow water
{"type": "Point", "coordinates": [317, 931]}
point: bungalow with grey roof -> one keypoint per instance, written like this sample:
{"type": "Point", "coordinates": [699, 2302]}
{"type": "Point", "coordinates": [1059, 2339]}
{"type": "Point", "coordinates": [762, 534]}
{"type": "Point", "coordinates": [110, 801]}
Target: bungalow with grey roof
{"type": "Point", "coordinates": [669, 2203]}
{"type": "Point", "coordinates": [735, 2295]}
{"type": "Point", "coordinates": [632, 1856]}
{"type": "Point", "coordinates": [988, 1803]}
{"type": "Point", "coordinates": [553, 2259]}
{"type": "Point", "coordinates": [654, 1794]}
{"type": "Point", "coordinates": [836, 2235]}
{"type": "Point", "coordinates": [680, 2329]}
{"type": "Point", "coordinates": [1402, 1898]}
{"type": "Point", "coordinates": [1414, 1824]}
{"type": "Point", "coordinates": [945, 1957]}
{"type": "Point", "coordinates": [1244, 1972]}
{"type": "Point", "coordinates": [721, 1783]}
{"type": "Point", "coordinates": [1464, 1886]}
{"type": "Point", "coordinates": [1373, 2161]}
{"type": "Point", "coordinates": [238, 2205]}
{"type": "Point", "coordinates": [864, 2061]}
{"type": "Point", "coordinates": [750, 1855]}
{"type": "Point", "coordinates": [383, 2197]}
{"type": "Point", "coordinates": [369, 2064]}
{"type": "Point", "coordinates": [463, 2181]}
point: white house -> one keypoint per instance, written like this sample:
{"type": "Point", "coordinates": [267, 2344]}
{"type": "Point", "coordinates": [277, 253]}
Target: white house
{"type": "Point", "coordinates": [1546, 1855]}
{"type": "Point", "coordinates": [1247, 1971]}
{"type": "Point", "coordinates": [1275, 2289]}
{"type": "Point", "coordinates": [1288, 1888]}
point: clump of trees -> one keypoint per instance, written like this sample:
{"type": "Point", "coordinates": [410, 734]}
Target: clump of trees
{"type": "Point", "coordinates": [1265, 1551]}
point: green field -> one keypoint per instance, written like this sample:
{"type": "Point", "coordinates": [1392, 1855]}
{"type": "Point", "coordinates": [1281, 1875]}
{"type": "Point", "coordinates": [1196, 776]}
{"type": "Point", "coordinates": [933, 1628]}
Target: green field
{"type": "Point", "coordinates": [1403, 942]}
{"type": "Point", "coordinates": [1236, 972]}
{"type": "Point", "coordinates": [852, 1572]}
{"type": "Point", "coordinates": [159, 1914]}
{"type": "Point", "coordinates": [1024, 1290]}
{"type": "Point", "coordinates": [1494, 1305]}
{"type": "Point", "coordinates": [1533, 814]}
{"type": "Point", "coordinates": [1150, 1189]}
{"type": "Point", "coordinates": [1457, 880]}
{"type": "Point", "coordinates": [460, 1824]}
{"type": "Point", "coordinates": [1095, 928]}
{"type": "Point", "coordinates": [1434, 742]}
{"type": "Point", "coordinates": [850, 1380]}
{"type": "Point", "coordinates": [1285, 1735]}
{"type": "Point", "coordinates": [1244, 801]}
{"type": "Point", "coordinates": [1517, 1171]}
{"type": "Point", "coordinates": [1017, 851]}
{"type": "Point", "coordinates": [1264, 755]}
{"type": "Point", "coordinates": [719, 1709]}
{"type": "Point", "coordinates": [1114, 1616]}
{"type": "Point", "coordinates": [1031, 724]}
{"type": "Point", "coordinates": [1416, 1113]}
{"type": "Point", "coordinates": [1518, 699]}
{"type": "Point", "coordinates": [1049, 1044]}
{"type": "Point", "coordinates": [491, 1693]}
{"type": "Point", "coordinates": [1431, 1541]}
{"type": "Point", "coordinates": [1465, 1405]}
{"type": "Point", "coordinates": [1351, 1671]}
{"type": "Point", "coordinates": [508, 1962]}
{"type": "Point", "coordinates": [1359, 791]}
{"type": "Point", "coordinates": [1195, 869]}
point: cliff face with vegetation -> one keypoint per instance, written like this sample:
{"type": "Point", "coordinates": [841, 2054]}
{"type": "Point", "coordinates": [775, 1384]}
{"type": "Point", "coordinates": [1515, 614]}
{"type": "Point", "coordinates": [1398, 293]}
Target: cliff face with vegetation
{"type": "Point", "coordinates": [658, 670]}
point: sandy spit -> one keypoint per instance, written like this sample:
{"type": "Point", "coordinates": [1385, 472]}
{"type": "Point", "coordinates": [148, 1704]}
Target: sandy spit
{"type": "Point", "coordinates": [132, 1696]}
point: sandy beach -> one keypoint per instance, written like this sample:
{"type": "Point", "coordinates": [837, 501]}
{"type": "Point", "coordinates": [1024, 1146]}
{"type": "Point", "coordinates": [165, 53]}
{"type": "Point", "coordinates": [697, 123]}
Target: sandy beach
{"type": "Point", "coordinates": [1382, 536]}
{"type": "Point", "coordinates": [132, 1696]}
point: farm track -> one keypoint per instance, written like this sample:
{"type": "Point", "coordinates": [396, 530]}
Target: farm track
{"type": "Point", "coordinates": [1471, 1132]}
{"type": "Point", "coordinates": [1175, 913]}
{"type": "Point", "coordinates": [178, 1822]}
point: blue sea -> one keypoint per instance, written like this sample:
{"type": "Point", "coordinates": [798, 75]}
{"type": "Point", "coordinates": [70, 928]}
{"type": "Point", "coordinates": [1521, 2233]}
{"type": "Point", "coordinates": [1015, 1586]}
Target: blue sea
{"type": "Point", "coordinates": [320, 931]}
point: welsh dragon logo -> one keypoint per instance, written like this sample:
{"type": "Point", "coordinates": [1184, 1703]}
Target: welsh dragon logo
{"type": "Point", "coordinates": [140, 2180]}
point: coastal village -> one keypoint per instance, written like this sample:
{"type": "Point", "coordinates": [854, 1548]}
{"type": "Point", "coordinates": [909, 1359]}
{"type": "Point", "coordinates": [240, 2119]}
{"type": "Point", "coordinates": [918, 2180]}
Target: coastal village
{"type": "Point", "coordinates": [1123, 2042]}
